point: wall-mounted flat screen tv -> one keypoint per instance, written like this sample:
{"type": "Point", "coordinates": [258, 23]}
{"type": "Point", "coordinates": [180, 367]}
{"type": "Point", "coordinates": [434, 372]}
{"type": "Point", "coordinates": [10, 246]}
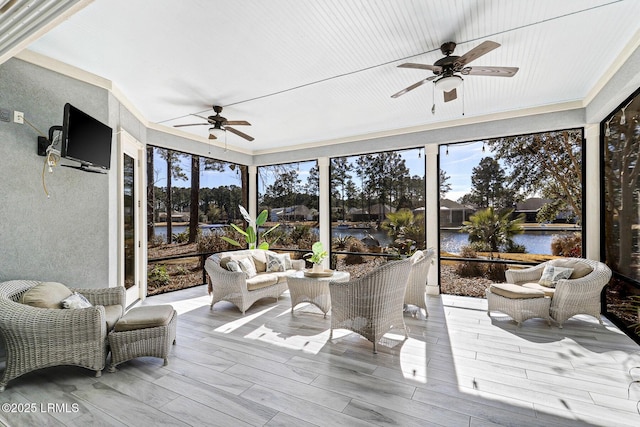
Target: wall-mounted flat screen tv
{"type": "Point", "coordinates": [85, 139]}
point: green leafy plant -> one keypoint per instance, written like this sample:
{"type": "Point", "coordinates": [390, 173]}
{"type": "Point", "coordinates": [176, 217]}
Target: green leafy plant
{"type": "Point", "coordinates": [159, 275]}
{"type": "Point", "coordinates": [251, 234]}
{"type": "Point", "coordinates": [318, 253]}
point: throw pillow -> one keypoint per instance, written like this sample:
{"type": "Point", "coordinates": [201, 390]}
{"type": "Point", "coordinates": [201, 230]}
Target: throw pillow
{"type": "Point", "coordinates": [276, 263]}
{"type": "Point", "coordinates": [551, 274]}
{"type": "Point", "coordinates": [76, 300]}
{"type": "Point", "coordinates": [233, 266]}
{"type": "Point", "coordinates": [246, 265]}
{"type": "Point", "coordinates": [46, 295]}
{"type": "Point", "coordinates": [287, 261]}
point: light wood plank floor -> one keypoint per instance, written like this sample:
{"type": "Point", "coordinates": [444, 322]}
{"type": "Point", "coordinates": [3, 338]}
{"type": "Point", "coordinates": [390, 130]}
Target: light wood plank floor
{"type": "Point", "coordinates": [458, 368]}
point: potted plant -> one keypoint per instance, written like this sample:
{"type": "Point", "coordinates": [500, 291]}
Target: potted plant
{"type": "Point", "coordinates": [250, 234]}
{"type": "Point", "coordinates": [316, 256]}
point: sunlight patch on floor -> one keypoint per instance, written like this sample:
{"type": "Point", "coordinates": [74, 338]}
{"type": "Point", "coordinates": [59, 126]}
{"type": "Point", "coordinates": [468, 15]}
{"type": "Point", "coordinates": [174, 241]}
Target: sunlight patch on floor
{"type": "Point", "coordinates": [229, 327]}
{"type": "Point", "coordinates": [308, 343]}
{"type": "Point", "coordinates": [414, 361]}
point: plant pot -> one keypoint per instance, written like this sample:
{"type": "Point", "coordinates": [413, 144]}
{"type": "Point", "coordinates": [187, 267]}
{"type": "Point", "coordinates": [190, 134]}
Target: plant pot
{"type": "Point", "coordinates": [317, 268]}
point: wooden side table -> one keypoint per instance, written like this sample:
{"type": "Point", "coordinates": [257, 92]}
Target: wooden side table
{"type": "Point", "coordinates": [314, 290]}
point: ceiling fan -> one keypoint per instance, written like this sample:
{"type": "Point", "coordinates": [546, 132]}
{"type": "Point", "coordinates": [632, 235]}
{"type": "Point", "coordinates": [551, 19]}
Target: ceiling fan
{"type": "Point", "coordinates": [220, 125]}
{"type": "Point", "coordinates": [447, 70]}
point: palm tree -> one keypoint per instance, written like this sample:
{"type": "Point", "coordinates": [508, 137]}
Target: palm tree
{"type": "Point", "coordinates": [490, 229]}
{"type": "Point", "coordinates": [403, 225]}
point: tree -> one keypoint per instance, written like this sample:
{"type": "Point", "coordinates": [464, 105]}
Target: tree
{"type": "Point", "coordinates": [383, 170]}
{"type": "Point", "coordinates": [445, 186]}
{"type": "Point", "coordinates": [282, 192]}
{"type": "Point", "coordinates": [488, 186]}
{"type": "Point", "coordinates": [194, 211]}
{"type": "Point", "coordinates": [406, 229]}
{"type": "Point", "coordinates": [173, 171]}
{"type": "Point", "coordinates": [150, 194]}
{"type": "Point", "coordinates": [548, 163]}
{"type": "Point", "coordinates": [340, 176]}
{"type": "Point", "coordinates": [490, 229]}
{"type": "Point", "coordinates": [313, 181]}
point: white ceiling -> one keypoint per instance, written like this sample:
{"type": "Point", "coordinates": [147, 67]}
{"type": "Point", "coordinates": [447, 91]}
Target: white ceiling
{"type": "Point", "coordinates": [309, 71]}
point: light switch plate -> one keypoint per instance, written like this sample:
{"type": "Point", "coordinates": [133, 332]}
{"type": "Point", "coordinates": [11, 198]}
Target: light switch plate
{"type": "Point", "coordinates": [5, 115]}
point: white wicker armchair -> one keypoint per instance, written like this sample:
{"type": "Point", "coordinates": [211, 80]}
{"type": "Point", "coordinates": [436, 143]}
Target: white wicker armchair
{"type": "Point", "coordinates": [416, 285]}
{"type": "Point", "coordinates": [37, 338]}
{"type": "Point", "coordinates": [580, 294]}
{"type": "Point", "coordinates": [372, 304]}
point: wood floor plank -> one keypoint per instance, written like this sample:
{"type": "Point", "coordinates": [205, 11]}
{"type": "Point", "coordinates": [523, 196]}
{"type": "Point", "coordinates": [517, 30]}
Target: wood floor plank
{"type": "Point", "coordinates": [227, 403]}
{"type": "Point", "coordinates": [270, 368]}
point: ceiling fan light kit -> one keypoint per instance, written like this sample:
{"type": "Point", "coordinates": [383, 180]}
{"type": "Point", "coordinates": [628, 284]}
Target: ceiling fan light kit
{"type": "Point", "coordinates": [216, 132]}
{"type": "Point", "coordinates": [448, 83]}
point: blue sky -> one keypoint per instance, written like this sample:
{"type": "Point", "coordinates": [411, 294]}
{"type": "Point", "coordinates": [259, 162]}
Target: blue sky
{"type": "Point", "coordinates": [458, 164]}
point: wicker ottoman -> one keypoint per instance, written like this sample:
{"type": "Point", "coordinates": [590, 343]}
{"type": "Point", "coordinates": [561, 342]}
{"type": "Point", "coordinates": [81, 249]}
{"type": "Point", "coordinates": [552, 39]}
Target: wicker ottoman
{"type": "Point", "coordinates": [143, 331]}
{"type": "Point", "coordinates": [518, 302]}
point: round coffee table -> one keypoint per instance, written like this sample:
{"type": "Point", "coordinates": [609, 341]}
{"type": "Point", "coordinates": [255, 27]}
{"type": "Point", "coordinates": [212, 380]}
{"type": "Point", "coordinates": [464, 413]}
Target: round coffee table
{"type": "Point", "coordinates": [314, 290]}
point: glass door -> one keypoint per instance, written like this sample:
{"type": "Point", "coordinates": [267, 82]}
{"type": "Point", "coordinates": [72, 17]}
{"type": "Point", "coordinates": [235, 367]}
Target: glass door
{"type": "Point", "coordinates": [132, 219]}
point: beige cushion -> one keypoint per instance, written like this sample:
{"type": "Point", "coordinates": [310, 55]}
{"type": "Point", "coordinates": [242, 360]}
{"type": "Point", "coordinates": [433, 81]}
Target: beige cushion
{"type": "Point", "coordinates": [46, 295]}
{"type": "Point", "coordinates": [512, 291]}
{"type": "Point", "coordinates": [261, 281]}
{"type": "Point", "coordinates": [548, 292]}
{"type": "Point", "coordinates": [145, 317]}
{"type": "Point", "coordinates": [112, 313]}
{"type": "Point", "coordinates": [282, 275]}
{"type": "Point", "coordinates": [580, 269]}
{"type": "Point", "coordinates": [224, 261]}
{"type": "Point", "coordinates": [259, 260]}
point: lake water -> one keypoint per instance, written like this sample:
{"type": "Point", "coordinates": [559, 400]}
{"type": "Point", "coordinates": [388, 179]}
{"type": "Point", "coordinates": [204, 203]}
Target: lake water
{"type": "Point", "coordinates": [536, 242]}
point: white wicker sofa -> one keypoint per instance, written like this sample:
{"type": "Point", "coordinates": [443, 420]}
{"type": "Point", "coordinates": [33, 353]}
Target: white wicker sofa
{"type": "Point", "coordinates": [243, 289]}
{"type": "Point", "coordinates": [579, 294]}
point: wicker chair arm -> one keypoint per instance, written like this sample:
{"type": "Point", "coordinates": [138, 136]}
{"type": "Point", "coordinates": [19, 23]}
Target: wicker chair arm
{"type": "Point", "coordinates": [589, 286]}
{"type": "Point", "coordinates": [529, 274]}
{"type": "Point", "coordinates": [104, 296]}
{"type": "Point", "coordinates": [47, 323]}
{"type": "Point", "coordinates": [217, 274]}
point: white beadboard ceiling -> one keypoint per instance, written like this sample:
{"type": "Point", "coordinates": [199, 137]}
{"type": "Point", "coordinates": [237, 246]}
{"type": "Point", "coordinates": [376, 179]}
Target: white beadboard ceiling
{"type": "Point", "coordinates": [309, 71]}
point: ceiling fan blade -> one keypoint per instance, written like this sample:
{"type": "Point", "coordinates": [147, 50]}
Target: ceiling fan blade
{"type": "Point", "coordinates": [241, 134]}
{"type": "Point", "coordinates": [491, 71]}
{"type": "Point", "coordinates": [193, 124]}
{"type": "Point", "coordinates": [475, 53]}
{"type": "Point", "coordinates": [237, 123]}
{"type": "Point", "coordinates": [203, 118]}
{"type": "Point", "coordinates": [435, 68]}
{"type": "Point", "coordinates": [451, 95]}
{"type": "Point", "coordinates": [7, 6]}
{"type": "Point", "coordinates": [412, 87]}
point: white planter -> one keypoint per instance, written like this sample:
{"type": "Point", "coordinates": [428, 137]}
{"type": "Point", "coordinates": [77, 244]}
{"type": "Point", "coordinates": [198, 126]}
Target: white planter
{"type": "Point", "coordinates": [317, 268]}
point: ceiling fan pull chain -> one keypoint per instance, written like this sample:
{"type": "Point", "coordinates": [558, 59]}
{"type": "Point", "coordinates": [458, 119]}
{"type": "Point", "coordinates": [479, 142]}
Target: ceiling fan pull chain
{"type": "Point", "coordinates": [433, 97]}
{"type": "Point", "coordinates": [463, 92]}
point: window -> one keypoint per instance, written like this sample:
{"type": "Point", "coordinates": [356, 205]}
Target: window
{"type": "Point", "coordinates": [514, 198]}
{"type": "Point", "coordinates": [621, 206]}
{"type": "Point", "coordinates": [377, 208]}
{"type": "Point", "coordinates": [191, 200]}
{"type": "Point", "coordinates": [289, 192]}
